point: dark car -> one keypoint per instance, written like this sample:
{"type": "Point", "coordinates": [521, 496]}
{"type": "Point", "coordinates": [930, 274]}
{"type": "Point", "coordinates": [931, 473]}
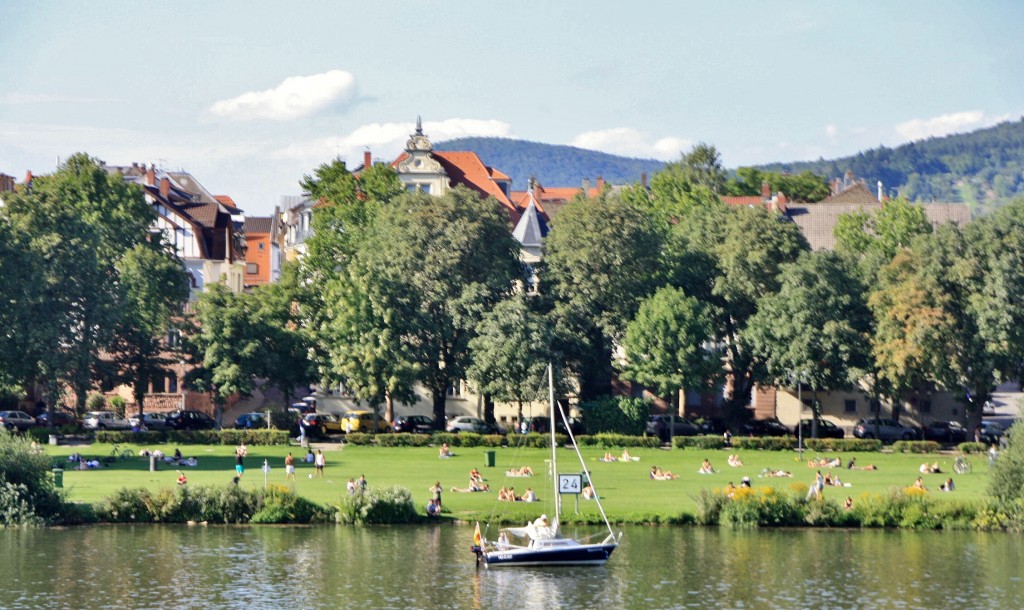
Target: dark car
{"type": "Point", "coordinates": [322, 424]}
{"type": "Point", "coordinates": [945, 432]}
{"type": "Point", "coordinates": [251, 420]}
{"type": "Point", "coordinates": [190, 420]}
{"type": "Point", "coordinates": [826, 429]}
{"type": "Point", "coordinates": [60, 419]}
{"type": "Point", "coordinates": [765, 427]}
{"type": "Point", "coordinates": [16, 420]}
{"type": "Point", "coordinates": [662, 425]}
{"type": "Point", "coordinates": [413, 423]}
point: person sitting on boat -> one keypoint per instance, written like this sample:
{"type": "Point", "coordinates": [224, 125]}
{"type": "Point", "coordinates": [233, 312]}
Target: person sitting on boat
{"type": "Point", "coordinates": [706, 468]}
{"type": "Point", "coordinates": [444, 451]}
{"type": "Point", "coordinates": [626, 457]}
{"type": "Point", "coordinates": [502, 541]}
{"type": "Point", "coordinates": [735, 461]}
{"type": "Point", "coordinates": [529, 496]}
{"type": "Point", "coordinates": [588, 492]}
{"type": "Point", "coordinates": [608, 457]}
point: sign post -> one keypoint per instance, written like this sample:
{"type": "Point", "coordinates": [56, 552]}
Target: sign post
{"type": "Point", "coordinates": [571, 484]}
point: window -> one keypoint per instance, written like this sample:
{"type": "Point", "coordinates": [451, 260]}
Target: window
{"type": "Point", "coordinates": [261, 245]}
{"type": "Point", "coordinates": [172, 385]}
{"type": "Point", "coordinates": [252, 268]}
{"type": "Point", "coordinates": [926, 406]}
{"type": "Point", "coordinates": [455, 391]}
{"type": "Point", "coordinates": [850, 406]}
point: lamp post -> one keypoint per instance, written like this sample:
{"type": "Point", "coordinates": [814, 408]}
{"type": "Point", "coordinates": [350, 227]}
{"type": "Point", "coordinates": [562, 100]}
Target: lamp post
{"type": "Point", "coordinates": [800, 413]}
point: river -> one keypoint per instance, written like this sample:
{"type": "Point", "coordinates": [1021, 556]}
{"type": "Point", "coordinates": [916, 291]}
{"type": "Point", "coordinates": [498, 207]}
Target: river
{"type": "Point", "coordinates": [431, 567]}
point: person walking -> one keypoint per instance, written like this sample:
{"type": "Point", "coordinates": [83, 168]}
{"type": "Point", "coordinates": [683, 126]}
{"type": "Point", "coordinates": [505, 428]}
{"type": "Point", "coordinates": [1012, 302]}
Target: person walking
{"type": "Point", "coordinates": [319, 462]}
{"type": "Point", "coordinates": [289, 467]}
{"type": "Point", "coordinates": [240, 453]}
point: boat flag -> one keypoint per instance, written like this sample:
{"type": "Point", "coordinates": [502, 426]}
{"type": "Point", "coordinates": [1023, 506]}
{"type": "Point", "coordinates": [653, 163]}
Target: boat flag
{"type": "Point", "coordinates": [477, 538]}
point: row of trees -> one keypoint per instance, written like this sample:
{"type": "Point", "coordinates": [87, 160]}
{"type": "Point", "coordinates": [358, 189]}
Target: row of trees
{"type": "Point", "coordinates": [88, 292]}
{"type": "Point", "coordinates": [665, 286]}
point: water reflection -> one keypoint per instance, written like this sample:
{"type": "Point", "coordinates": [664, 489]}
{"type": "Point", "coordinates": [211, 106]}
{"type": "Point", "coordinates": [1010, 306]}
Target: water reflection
{"type": "Point", "coordinates": [431, 567]}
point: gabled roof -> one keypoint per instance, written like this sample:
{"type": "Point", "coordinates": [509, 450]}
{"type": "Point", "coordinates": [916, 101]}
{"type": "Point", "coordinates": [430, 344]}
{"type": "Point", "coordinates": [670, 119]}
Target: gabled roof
{"type": "Point", "coordinates": [258, 224]}
{"type": "Point", "coordinates": [858, 192]}
{"type": "Point", "coordinates": [741, 200]}
{"type": "Point", "coordinates": [466, 168]}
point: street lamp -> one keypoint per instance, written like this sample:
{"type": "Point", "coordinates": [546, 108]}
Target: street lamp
{"type": "Point", "coordinates": [800, 413]}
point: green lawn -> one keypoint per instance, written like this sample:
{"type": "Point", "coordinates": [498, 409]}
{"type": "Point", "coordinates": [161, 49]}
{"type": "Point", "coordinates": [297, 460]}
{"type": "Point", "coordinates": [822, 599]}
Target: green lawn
{"type": "Point", "coordinates": [625, 488]}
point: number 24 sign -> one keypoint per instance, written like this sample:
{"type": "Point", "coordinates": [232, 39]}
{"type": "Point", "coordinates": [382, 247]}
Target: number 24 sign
{"type": "Point", "coordinates": [570, 483]}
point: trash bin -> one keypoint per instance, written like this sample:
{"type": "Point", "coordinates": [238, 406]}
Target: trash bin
{"type": "Point", "coordinates": [53, 439]}
{"type": "Point", "coordinates": [490, 458]}
{"type": "Point", "coordinates": [58, 477]}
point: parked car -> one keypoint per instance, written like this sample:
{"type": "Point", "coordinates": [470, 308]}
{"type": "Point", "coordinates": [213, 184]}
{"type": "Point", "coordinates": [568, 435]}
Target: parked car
{"type": "Point", "coordinates": [323, 423]}
{"type": "Point", "coordinates": [465, 423]}
{"type": "Point", "coordinates": [413, 423]}
{"type": "Point", "coordinates": [661, 425]}
{"type": "Point", "coordinates": [251, 420]}
{"type": "Point", "coordinates": [765, 427]}
{"type": "Point", "coordinates": [105, 420]}
{"type": "Point", "coordinates": [16, 420]}
{"type": "Point", "coordinates": [61, 418]}
{"type": "Point", "coordinates": [885, 430]}
{"type": "Point", "coordinates": [151, 421]}
{"type": "Point", "coordinates": [991, 432]}
{"type": "Point", "coordinates": [945, 432]}
{"type": "Point", "coordinates": [190, 420]}
{"type": "Point", "coordinates": [362, 421]}
{"type": "Point", "coordinates": [826, 429]}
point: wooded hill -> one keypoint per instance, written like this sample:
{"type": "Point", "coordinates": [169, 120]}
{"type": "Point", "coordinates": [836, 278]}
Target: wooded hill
{"type": "Point", "coordinates": [984, 168]}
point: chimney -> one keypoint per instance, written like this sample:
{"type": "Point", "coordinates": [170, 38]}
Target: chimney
{"type": "Point", "coordinates": [879, 190]}
{"type": "Point", "coordinates": [781, 203]}
{"type": "Point", "coordinates": [150, 175]}
{"type": "Point", "coordinates": [28, 177]}
{"type": "Point", "coordinates": [367, 160]}
{"type": "Point", "coordinates": [600, 185]}
{"type": "Point", "coordinates": [643, 180]}
{"type": "Point", "coordinates": [165, 188]}
{"type": "Point", "coordinates": [586, 187]}
{"type": "Point", "coordinates": [766, 190]}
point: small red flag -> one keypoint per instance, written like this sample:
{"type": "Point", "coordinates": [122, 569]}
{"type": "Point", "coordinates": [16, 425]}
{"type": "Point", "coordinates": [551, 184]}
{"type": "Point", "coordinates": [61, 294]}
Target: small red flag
{"type": "Point", "coordinates": [477, 538]}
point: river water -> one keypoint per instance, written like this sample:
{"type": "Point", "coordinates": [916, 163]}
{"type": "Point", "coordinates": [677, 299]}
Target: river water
{"type": "Point", "coordinates": [161, 567]}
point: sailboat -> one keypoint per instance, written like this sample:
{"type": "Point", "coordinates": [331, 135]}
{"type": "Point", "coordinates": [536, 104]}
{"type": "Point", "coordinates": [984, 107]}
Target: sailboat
{"type": "Point", "coordinates": [540, 542]}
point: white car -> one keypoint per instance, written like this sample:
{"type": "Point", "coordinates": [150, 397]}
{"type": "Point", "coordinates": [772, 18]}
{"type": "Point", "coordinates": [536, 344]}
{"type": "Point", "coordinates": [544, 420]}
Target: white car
{"type": "Point", "coordinates": [105, 420]}
{"type": "Point", "coordinates": [465, 423]}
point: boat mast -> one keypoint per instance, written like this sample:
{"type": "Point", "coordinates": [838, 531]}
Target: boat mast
{"type": "Point", "coordinates": [551, 430]}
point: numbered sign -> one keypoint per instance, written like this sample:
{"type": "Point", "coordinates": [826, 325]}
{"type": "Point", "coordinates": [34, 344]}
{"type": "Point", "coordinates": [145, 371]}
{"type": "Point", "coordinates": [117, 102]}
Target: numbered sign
{"type": "Point", "coordinates": [570, 483]}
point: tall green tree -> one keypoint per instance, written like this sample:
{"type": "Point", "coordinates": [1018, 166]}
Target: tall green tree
{"type": "Point", "coordinates": [80, 220]}
{"type": "Point", "coordinates": [668, 345]}
{"type": "Point", "coordinates": [874, 237]}
{"type": "Point", "coordinates": [816, 328]}
{"type": "Point", "coordinates": [602, 258]}
{"type": "Point", "coordinates": [437, 264]}
{"type": "Point", "coordinates": [153, 287]}
{"type": "Point", "coordinates": [511, 351]}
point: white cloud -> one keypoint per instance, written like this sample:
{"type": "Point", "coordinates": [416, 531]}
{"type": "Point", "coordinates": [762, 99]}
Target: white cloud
{"type": "Point", "coordinates": [295, 97]}
{"type": "Point", "coordinates": [387, 140]}
{"type": "Point", "coordinates": [956, 122]}
{"type": "Point", "coordinates": [632, 143]}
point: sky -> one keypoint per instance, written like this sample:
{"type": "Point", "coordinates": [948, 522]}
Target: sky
{"type": "Point", "coordinates": [248, 96]}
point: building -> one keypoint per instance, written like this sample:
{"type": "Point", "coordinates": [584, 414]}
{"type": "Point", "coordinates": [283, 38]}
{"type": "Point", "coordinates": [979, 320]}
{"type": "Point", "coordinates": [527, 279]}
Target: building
{"type": "Point", "coordinates": [263, 249]}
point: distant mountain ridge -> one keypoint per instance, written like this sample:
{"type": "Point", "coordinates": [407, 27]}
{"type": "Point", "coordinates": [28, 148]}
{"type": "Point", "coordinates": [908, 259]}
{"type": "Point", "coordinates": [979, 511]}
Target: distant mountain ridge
{"type": "Point", "coordinates": [983, 168]}
{"type": "Point", "coordinates": [553, 164]}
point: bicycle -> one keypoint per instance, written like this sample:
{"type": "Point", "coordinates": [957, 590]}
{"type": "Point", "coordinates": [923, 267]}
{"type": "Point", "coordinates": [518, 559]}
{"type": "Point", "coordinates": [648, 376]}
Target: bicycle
{"type": "Point", "coordinates": [961, 465]}
{"type": "Point", "coordinates": [121, 454]}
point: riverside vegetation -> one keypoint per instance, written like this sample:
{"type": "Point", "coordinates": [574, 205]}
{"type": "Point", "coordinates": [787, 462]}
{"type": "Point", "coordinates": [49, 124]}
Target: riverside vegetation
{"type": "Point", "coordinates": [990, 498]}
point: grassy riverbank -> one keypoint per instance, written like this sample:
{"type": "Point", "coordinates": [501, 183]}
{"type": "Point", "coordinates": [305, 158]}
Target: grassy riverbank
{"type": "Point", "coordinates": [628, 494]}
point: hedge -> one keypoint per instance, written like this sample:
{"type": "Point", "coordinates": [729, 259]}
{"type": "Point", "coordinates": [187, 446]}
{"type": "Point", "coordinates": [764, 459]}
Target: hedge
{"type": "Point", "coordinates": [769, 443]}
{"type": "Point", "coordinates": [196, 437]}
{"type": "Point", "coordinates": [915, 447]}
{"type": "Point", "coordinates": [843, 444]}
{"type": "Point", "coordinates": [972, 447]}
{"type": "Point", "coordinates": [709, 441]}
{"type": "Point", "coordinates": [609, 440]}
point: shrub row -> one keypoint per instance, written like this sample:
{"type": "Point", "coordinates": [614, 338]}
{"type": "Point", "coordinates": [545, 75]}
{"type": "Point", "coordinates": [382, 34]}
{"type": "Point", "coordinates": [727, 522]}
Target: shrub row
{"type": "Point", "coordinates": [229, 504]}
{"type": "Point", "coordinates": [902, 508]}
{"type": "Point", "coordinates": [609, 440]}
{"type": "Point", "coordinates": [972, 447]}
{"type": "Point", "coordinates": [843, 444]}
{"type": "Point", "coordinates": [768, 443]}
{"type": "Point", "coordinates": [378, 505]}
{"type": "Point", "coordinates": [708, 441]}
{"type": "Point", "coordinates": [196, 437]}
{"type": "Point", "coordinates": [915, 446]}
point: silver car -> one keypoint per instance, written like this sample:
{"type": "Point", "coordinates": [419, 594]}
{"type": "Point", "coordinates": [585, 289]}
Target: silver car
{"type": "Point", "coordinates": [105, 420]}
{"type": "Point", "coordinates": [16, 420]}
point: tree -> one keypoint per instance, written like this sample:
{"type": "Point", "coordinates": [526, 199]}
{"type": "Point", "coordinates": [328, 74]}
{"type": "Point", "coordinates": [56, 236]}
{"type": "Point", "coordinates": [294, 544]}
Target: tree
{"type": "Point", "coordinates": [805, 186]}
{"type": "Point", "coordinates": [80, 220]}
{"type": "Point", "coordinates": [815, 329]}
{"type": "Point", "coordinates": [18, 297]}
{"type": "Point", "coordinates": [436, 264]}
{"type": "Point", "coordinates": [602, 258]}
{"type": "Point", "coordinates": [153, 286]}
{"type": "Point", "coordinates": [511, 352]}
{"type": "Point", "coordinates": [667, 342]}
{"type": "Point", "coordinates": [1007, 480]}
{"type": "Point", "coordinates": [875, 237]}
{"type": "Point", "coordinates": [227, 346]}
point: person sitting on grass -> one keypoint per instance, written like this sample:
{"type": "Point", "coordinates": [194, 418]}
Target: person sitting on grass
{"type": "Point", "coordinates": [474, 475]}
{"type": "Point", "coordinates": [919, 484]}
{"type": "Point", "coordinates": [948, 485]}
{"type": "Point", "coordinates": [706, 468]}
{"type": "Point", "coordinates": [433, 509]}
{"type": "Point", "coordinates": [473, 486]}
{"type": "Point", "coordinates": [730, 490]}
{"type": "Point", "coordinates": [608, 457]}
{"type": "Point", "coordinates": [848, 503]}
{"type": "Point", "coordinates": [181, 478]}
{"type": "Point", "coordinates": [626, 457]}
{"type": "Point", "coordinates": [529, 496]}
{"type": "Point", "coordinates": [444, 451]}
{"type": "Point", "coordinates": [735, 461]}
{"type": "Point", "coordinates": [588, 492]}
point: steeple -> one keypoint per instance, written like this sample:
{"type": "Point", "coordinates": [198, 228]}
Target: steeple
{"type": "Point", "coordinates": [417, 140]}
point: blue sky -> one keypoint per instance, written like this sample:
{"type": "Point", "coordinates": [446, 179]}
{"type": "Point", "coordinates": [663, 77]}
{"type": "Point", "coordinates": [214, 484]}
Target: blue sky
{"type": "Point", "coordinates": [248, 96]}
